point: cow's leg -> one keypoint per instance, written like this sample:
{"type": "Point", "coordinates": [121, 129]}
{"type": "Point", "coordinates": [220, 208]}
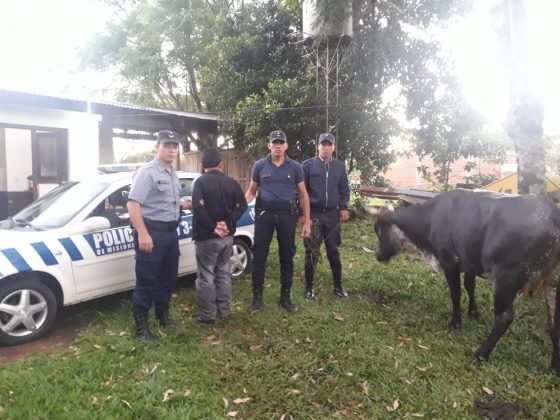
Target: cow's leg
{"type": "Point", "coordinates": [505, 289]}
{"type": "Point", "coordinates": [470, 285]}
{"type": "Point", "coordinates": [453, 277]}
{"type": "Point", "coordinates": [553, 303]}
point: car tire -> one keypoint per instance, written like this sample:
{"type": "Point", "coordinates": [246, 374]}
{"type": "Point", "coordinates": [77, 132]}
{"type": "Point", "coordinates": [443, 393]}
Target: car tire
{"type": "Point", "coordinates": [27, 310]}
{"type": "Point", "coordinates": [241, 258]}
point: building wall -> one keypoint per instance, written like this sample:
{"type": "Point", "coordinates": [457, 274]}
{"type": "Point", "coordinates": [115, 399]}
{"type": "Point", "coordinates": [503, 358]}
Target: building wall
{"type": "Point", "coordinates": [83, 135]}
{"type": "Point", "coordinates": [403, 173]}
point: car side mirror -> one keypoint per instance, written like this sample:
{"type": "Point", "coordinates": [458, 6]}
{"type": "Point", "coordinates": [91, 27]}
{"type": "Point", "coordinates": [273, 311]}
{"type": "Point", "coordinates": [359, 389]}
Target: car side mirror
{"type": "Point", "coordinates": [91, 224]}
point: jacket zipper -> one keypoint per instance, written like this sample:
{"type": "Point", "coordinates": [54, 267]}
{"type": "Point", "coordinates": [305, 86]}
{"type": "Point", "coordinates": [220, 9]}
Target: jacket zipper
{"type": "Point", "coordinates": [327, 187]}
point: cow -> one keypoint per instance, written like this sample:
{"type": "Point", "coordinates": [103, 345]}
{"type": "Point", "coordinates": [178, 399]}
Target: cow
{"type": "Point", "coordinates": [515, 240]}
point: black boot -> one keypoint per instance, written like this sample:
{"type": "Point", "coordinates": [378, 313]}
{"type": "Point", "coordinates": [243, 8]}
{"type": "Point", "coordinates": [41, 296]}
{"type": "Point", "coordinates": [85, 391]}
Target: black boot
{"type": "Point", "coordinates": [162, 316]}
{"type": "Point", "coordinates": [142, 332]}
{"type": "Point", "coordinates": [285, 300]}
{"type": "Point", "coordinates": [257, 302]}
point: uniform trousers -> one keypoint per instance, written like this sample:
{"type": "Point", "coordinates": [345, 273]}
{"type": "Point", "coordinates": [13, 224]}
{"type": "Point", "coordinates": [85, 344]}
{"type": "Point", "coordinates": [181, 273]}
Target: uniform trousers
{"type": "Point", "coordinates": [213, 282]}
{"type": "Point", "coordinates": [325, 228]}
{"type": "Point", "coordinates": [156, 272]}
{"type": "Point", "coordinates": [284, 223]}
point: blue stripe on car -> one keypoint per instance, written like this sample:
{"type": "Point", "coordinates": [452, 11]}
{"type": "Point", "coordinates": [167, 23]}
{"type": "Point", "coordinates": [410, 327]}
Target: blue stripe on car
{"type": "Point", "coordinates": [248, 218]}
{"type": "Point", "coordinates": [16, 259]}
{"type": "Point", "coordinates": [72, 249]}
{"type": "Point", "coordinates": [45, 253]}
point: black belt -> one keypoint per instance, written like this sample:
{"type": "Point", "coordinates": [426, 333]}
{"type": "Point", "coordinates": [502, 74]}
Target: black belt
{"type": "Point", "coordinates": [320, 209]}
{"type": "Point", "coordinates": [161, 226]}
{"type": "Point", "coordinates": [276, 207]}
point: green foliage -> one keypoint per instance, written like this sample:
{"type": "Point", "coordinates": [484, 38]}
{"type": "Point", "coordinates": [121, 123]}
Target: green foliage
{"type": "Point", "coordinates": [246, 61]}
{"type": "Point", "coordinates": [477, 181]}
{"type": "Point", "coordinates": [552, 147]}
{"type": "Point", "coordinates": [336, 358]}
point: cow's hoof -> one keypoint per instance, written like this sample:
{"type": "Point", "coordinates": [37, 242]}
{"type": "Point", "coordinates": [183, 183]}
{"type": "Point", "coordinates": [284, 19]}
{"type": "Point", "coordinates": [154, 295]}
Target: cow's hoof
{"type": "Point", "coordinates": [454, 325]}
{"type": "Point", "coordinates": [479, 357]}
{"type": "Point", "coordinates": [474, 314]}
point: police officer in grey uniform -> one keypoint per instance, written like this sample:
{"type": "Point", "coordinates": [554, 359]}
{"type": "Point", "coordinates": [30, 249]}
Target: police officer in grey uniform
{"type": "Point", "coordinates": [154, 207]}
{"type": "Point", "coordinates": [278, 180]}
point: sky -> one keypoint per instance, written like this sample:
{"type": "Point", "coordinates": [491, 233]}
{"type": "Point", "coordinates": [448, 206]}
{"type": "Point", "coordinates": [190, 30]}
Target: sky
{"type": "Point", "coordinates": [40, 41]}
{"type": "Point", "coordinates": [481, 67]}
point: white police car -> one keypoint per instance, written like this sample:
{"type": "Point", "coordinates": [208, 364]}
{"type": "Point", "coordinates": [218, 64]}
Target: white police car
{"type": "Point", "coordinates": [74, 244]}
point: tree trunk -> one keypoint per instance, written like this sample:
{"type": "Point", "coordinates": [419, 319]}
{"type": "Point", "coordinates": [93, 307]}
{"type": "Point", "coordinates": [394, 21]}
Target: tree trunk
{"type": "Point", "coordinates": [525, 128]}
{"type": "Point", "coordinates": [525, 118]}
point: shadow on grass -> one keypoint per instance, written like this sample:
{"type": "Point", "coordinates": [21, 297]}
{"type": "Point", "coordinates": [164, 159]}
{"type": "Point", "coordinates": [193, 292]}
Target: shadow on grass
{"type": "Point", "coordinates": [491, 408]}
{"type": "Point", "coordinates": [378, 297]}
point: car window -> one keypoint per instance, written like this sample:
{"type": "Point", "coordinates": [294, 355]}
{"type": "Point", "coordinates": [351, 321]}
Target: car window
{"type": "Point", "coordinates": [114, 208]}
{"type": "Point", "coordinates": [60, 205]}
{"type": "Point", "coordinates": [186, 191]}
{"type": "Point", "coordinates": [186, 187]}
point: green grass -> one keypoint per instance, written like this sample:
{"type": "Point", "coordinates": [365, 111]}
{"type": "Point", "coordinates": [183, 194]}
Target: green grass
{"type": "Point", "coordinates": [348, 358]}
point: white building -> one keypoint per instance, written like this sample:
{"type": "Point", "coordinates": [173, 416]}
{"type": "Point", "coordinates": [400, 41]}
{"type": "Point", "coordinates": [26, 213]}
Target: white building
{"type": "Point", "coordinates": [47, 140]}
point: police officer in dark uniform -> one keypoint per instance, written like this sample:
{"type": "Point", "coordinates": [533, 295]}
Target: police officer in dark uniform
{"type": "Point", "coordinates": [154, 207]}
{"type": "Point", "coordinates": [278, 180]}
{"type": "Point", "coordinates": [327, 184]}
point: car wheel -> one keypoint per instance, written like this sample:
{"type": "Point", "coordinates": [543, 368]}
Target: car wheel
{"type": "Point", "coordinates": [27, 310]}
{"type": "Point", "coordinates": [241, 257]}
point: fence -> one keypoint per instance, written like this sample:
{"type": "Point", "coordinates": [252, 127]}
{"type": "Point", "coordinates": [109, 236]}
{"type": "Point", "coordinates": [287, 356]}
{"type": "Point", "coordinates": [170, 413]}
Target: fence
{"type": "Point", "coordinates": [236, 164]}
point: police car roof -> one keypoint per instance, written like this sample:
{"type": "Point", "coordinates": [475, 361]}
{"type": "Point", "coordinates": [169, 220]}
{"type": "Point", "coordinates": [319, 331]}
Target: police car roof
{"type": "Point", "coordinates": [110, 178]}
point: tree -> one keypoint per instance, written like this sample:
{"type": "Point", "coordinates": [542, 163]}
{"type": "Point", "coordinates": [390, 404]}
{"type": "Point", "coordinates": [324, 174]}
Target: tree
{"type": "Point", "coordinates": [525, 120]}
{"type": "Point", "coordinates": [397, 51]}
{"type": "Point", "coordinates": [246, 61]}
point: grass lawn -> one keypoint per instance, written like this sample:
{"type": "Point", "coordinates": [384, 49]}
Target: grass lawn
{"type": "Point", "coordinates": [384, 352]}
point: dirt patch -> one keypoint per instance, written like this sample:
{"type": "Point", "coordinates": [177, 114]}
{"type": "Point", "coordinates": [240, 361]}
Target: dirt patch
{"type": "Point", "coordinates": [378, 297]}
{"type": "Point", "coordinates": [70, 322]}
{"type": "Point", "coordinates": [65, 330]}
{"type": "Point", "coordinates": [491, 408]}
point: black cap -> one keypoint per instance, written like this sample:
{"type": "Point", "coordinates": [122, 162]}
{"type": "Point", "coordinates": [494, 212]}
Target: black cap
{"type": "Point", "coordinates": [167, 136]}
{"type": "Point", "coordinates": [211, 157]}
{"type": "Point", "coordinates": [277, 135]}
{"type": "Point", "coordinates": [326, 137]}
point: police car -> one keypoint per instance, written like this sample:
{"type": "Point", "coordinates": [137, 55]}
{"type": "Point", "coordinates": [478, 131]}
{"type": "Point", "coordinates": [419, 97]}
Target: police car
{"type": "Point", "coordinates": [74, 244]}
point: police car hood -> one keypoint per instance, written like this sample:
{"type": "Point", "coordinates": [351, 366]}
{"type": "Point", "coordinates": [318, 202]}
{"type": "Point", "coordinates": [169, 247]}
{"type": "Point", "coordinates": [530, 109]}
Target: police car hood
{"type": "Point", "coordinates": [10, 238]}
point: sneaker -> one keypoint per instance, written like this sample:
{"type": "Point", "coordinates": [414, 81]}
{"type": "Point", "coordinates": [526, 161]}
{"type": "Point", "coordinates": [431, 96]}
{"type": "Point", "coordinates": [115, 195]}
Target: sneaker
{"type": "Point", "coordinates": [309, 294]}
{"type": "Point", "coordinates": [199, 320]}
{"type": "Point", "coordinates": [339, 291]}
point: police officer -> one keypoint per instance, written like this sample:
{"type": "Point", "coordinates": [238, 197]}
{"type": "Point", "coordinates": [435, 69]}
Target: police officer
{"type": "Point", "coordinates": [154, 207]}
{"type": "Point", "coordinates": [278, 180]}
{"type": "Point", "coordinates": [218, 203]}
{"type": "Point", "coordinates": [327, 184]}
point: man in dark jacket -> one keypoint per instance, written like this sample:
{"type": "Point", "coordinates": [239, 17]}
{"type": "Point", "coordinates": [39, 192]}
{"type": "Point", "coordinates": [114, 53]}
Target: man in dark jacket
{"type": "Point", "coordinates": [327, 185]}
{"type": "Point", "coordinates": [217, 204]}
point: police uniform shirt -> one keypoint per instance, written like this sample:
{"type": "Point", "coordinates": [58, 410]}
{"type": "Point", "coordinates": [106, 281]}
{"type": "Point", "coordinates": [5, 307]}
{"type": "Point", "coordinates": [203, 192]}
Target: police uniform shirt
{"type": "Point", "coordinates": [277, 183]}
{"type": "Point", "coordinates": [326, 183]}
{"type": "Point", "coordinates": [158, 192]}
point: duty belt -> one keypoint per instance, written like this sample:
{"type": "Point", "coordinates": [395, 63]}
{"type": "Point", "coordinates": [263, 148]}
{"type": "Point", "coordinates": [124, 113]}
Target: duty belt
{"type": "Point", "coordinates": [275, 207]}
{"type": "Point", "coordinates": [161, 226]}
{"type": "Point", "coordinates": [321, 209]}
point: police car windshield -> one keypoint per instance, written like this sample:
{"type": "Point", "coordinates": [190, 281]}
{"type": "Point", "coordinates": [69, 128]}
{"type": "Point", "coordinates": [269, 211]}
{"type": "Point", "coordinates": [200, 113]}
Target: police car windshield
{"type": "Point", "coordinates": [59, 206]}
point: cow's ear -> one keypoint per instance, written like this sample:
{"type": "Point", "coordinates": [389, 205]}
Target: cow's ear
{"type": "Point", "coordinates": [383, 211]}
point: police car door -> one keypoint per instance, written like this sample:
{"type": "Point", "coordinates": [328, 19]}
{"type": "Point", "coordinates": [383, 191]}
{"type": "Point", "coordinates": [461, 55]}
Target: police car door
{"type": "Point", "coordinates": [187, 260]}
{"type": "Point", "coordinates": [104, 260]}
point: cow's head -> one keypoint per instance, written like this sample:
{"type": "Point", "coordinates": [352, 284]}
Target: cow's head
{"type": "Point", "coordinates": [390, 241]}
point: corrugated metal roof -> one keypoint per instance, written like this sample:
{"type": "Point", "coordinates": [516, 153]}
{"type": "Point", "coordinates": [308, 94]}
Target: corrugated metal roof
{"type": "Point", "coordinates": [95, 106]}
